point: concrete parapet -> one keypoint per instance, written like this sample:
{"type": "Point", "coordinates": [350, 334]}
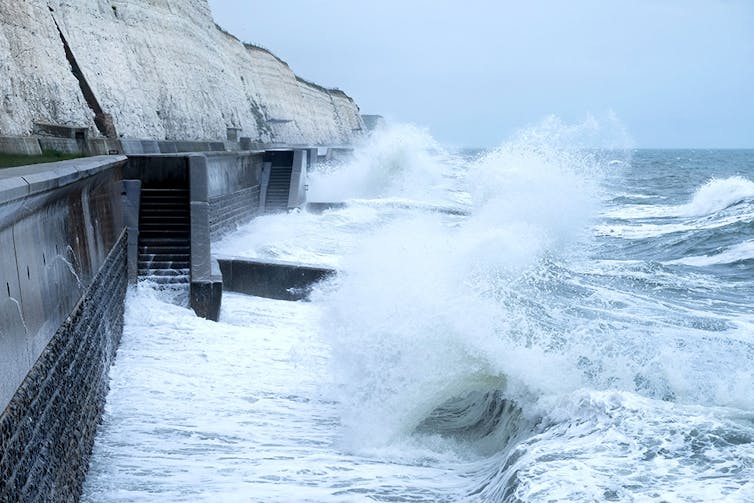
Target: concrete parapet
{"type": "Point", "coordinates": [150, 147]}
{"type": "Point", "coordinates": [131, 196]}
{"type": "Point", "coordinates": [65, 145]}
{"type": "Point", "coordinates": [198, 178]}
{"type": "Point", "coordinates": [192, 146]}
{"type": "Point", "coordinates": [103, 146]}
{"type": "Point", "coordinates": [42, 177]}
{"type": "Point", "coordinates": [58, 222]}
{"type": "Point", "coordinates": [297, 193]}
{"type": "Point", "coordinates": [63, 280]}
{"type": "Point", "coordinates": [232, 146]}
{"type": "Point", "coordinates": [233, 189]}
{"type": "Point", "coordinates": [167, 147]}
{"type": "Point", "coordinates": [131, 146]}
{"type": "Point", "coordinates": [206, 295]}
{"type": "Point", "coordinates": [339, 154]}
{"type": "Point", "coordinates": [272, 279]}
{"type": "Point", "coordinates": [264, 182]}
{"type": "Point", "coordinates": [23, 145]}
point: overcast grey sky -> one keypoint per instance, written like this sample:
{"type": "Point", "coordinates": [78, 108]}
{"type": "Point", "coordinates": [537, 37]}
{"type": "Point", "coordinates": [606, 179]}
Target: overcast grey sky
{"type": "Point", "coordinates": [677, 73]}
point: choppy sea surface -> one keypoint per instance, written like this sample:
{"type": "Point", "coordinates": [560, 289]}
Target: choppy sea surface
{"type": "Point", "coordinates": [544, 321]}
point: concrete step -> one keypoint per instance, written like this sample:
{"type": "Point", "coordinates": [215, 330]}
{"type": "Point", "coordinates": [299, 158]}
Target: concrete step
{"type": "Point", "coordinates": [165, 235]}
{"type": "Point", "coordinates": [166, 280]}
{"type": "Point", "coordinates": [168, 271]}
{"type": "Point", "coordinates": [169, 257]}
{"type": "Point", "coordinates": [160, 234]}
{"type": "Point", "coordinates": [160, 263]}
{"type": "Point", "coordinates": [174, 225]}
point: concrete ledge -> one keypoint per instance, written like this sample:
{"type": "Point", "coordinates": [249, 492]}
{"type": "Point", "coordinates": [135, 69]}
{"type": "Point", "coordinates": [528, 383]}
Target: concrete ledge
{"type": "Point", "coordinates": [272, 279]}
{"type": "Point", "coordinates": [131, 146]}
{"type": "Point", "coordinates": [150, 147]}
{"type": "Point", "coordinates": [192, 146]}
{"type": "Point", "coordinates": [13, 188]}
{"type": "Point", "coordinates": [42, 177]}
{"type": "Point", "coordinates": [167, 147]}
{"type": "Point", "coordinates": [25, 145]}
{"type": "Point", "coordinates": [103, 146]}
{"type": "Point", "coordinates": [65, 145]}
{"type": "Point", "coordinates": [206, 298]}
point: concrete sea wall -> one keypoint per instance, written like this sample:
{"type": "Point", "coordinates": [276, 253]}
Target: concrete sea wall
{"type": "Point", "coordinates": [233, 190]}
{"type": "Point", "coordinates": [224, 192]}
{"type": "Point", "coordinates": [63, 279]}
{"type": "Point", "coordinates": [155, 69]}
{"type": "Point", "coordinates": [71, 239]}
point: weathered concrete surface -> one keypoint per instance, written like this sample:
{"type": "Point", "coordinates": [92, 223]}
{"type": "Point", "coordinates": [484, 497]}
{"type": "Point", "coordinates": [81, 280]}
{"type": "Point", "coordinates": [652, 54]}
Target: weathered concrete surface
{"type": "Point", "coordinates": [47, 431]}
{"type": "Point", "coordinates": [130, 197]}
{"type": "Point", "coordinates": [23, 145]}
{"type": "Point", "coordinates": [162, 70]}
{"type": "Point", "coordinates": [297, 193]}
{"type": "Point", "coordinates": [273, 279]}
{"type": "Point", "coordinates": [62, 288]}
{"type": "Point", "coordinates": [233, 190]}
{"type": "Point", "coordinates": [58, 222]}
{"type": "Point", "coordinates": [224, 191]}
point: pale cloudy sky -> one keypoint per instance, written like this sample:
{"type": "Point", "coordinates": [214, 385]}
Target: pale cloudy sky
{"type": "Point", "coordinates": [677, 73]}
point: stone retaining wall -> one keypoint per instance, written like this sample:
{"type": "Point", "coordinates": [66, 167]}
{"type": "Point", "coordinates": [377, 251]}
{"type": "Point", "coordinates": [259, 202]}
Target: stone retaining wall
{"type": "Point", "coordinates": [62, 285]}
{"type": "Point", "coordinates": [225, 212]}
{"type": "Point", "coordinates": [47, 430]}
{"type": "Point", "coordinates": [233, 189]}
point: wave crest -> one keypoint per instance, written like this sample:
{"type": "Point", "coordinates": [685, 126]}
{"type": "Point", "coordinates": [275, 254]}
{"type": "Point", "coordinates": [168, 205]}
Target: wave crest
{"type": "Point", "coordinates": [717, 195]}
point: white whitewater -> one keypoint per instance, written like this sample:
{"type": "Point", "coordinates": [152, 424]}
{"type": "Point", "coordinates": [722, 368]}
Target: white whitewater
{"type": "Point", "coordinates": [499, 331]}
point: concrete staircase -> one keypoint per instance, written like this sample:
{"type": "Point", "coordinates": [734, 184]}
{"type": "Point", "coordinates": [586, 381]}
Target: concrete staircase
{"type": "Point", "coordinates": [165, 236]}
{"type": "Point", "coordinates": [278, 190]}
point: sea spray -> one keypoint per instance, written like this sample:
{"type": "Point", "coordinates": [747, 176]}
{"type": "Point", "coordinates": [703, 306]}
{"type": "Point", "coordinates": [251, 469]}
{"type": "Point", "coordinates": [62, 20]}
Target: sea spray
{"type": "Point", "coordinates": [540, 362]}
{"type": "Point", "coordinates": [429, 311]}
{"type": "Point", "coordinates": [399, 160]}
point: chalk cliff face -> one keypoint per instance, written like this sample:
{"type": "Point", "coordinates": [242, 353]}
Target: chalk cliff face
{"type": "Point", "coordinates": [162, 69]}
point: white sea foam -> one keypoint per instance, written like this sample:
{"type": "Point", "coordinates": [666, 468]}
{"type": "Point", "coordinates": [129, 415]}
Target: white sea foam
{"type": "Point", "coordinates": [737, 253]}
{"type": "Point", "coordinates": [644, 230]}
{"type": "Point", "coordinates": [401, 161]}
{"type": "Point", "coordinates": [714, 196]}
{"type": "Point", "coordinates": [616, 446]}
{"type": "Point", "coordinates": [234, 411]}
{"type": "Point", "coordinates": [451, 353]}
{"type": "Point", "coordinates": [421, 313]}
{"type": "Point", "coordinates": [718, 194]}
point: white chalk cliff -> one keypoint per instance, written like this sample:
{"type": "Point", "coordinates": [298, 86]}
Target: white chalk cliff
{"type": "Point", "coordinates": [161, 69]}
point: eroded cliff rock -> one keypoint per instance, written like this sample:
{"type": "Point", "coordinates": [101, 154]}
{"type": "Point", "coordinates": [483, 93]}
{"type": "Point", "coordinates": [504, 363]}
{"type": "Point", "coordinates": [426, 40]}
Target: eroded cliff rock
{"type": "Point", "coordinates": [161, 69]}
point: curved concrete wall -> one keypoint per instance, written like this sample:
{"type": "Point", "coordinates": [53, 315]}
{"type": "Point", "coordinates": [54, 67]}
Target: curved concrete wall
{"type": "Point", "coordinates": [162, 70]}
{"type": "Point", "coordinates": [58, 222]}
{"type": "Point", "coordinates": [62, 288]}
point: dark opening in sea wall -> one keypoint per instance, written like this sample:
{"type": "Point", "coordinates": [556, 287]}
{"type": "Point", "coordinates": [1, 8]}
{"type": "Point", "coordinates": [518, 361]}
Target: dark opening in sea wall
{"type": "Point", "coordinates": [64, 277]}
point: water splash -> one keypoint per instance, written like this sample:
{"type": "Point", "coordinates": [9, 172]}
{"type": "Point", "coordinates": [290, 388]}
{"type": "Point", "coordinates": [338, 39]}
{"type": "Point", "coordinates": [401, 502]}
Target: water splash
{"type": "Point", "coordinates": [718, 194]}
{"type": "Point", "coordinates": [428, 311]}
{"type": "Point", "coordinates": [400, 160]}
